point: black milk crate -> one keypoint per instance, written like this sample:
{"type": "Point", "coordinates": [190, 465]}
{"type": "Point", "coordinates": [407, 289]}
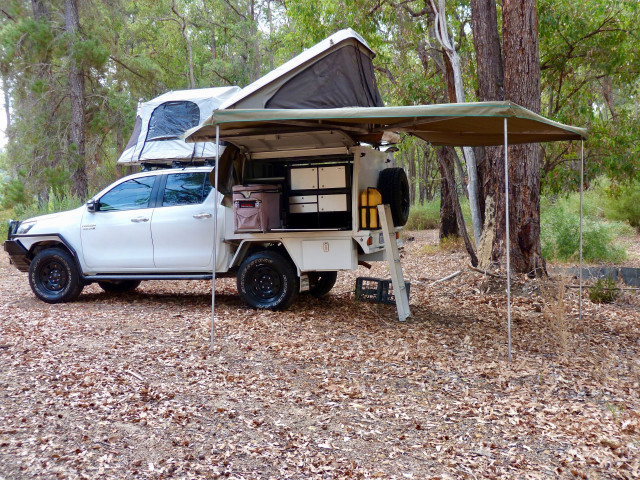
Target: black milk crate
{"type": "Point", "coordinates": [369, 289]}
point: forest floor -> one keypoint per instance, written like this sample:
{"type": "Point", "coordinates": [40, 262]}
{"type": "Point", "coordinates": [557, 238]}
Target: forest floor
{"type": "Point", "coordinates": [126, 386]}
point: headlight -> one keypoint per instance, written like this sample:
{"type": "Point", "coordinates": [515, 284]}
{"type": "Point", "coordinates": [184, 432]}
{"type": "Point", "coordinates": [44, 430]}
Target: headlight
{"type": "Point", "coordinates": [24, 227]}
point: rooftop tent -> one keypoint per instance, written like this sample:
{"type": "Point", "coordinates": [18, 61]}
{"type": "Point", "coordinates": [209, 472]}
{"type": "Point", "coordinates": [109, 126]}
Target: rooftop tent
{"type": "Point", "coordinates": [337, 72]}
{"type": "Point", "coordinates": [161, 122]}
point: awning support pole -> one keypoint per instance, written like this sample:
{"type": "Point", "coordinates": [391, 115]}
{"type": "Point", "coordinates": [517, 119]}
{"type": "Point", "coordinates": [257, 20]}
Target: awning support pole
{"type": "Point", "coordinates": [215, 239]}
{"type": "Point", "coordinates": [508, 246]}
{"type": "Point", "coordinates": [581, 213]}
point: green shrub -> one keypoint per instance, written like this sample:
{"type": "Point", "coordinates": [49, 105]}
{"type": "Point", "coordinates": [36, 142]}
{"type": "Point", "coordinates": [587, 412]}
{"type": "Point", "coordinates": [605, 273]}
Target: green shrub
{"type": "Point", "coordinates": [5, 216]}
{"type": "Point", "coordinates": [560, 225]}
{"type": "Point", "coordinates": [425, 216]}
{"type": "Point", "coordinates": [603, 291]}
{"type": "Point", "coordinates": [12, 193]}
{"type": "Point", "coordinates": [56, 203]}
{"type": "Point", "coordinates": [623, 204]}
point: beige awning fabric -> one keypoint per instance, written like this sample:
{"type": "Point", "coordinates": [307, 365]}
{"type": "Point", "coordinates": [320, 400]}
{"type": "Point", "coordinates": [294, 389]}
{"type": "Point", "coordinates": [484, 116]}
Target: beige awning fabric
{"type": "Point", "coordinates": [458, 124]}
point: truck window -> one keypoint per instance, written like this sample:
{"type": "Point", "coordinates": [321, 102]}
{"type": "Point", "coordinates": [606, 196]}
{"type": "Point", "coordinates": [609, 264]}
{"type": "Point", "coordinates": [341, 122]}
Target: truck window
{"type": "Point", "coordinates": [130, 195]}
{"type": "Point", "coordinates": [186, 189]}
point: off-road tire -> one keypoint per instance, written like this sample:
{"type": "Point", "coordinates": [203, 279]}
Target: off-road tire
{"type": "Point", "coordinates": [119, 286]}
{"type": "Point", "coordinates": [394, 188]}
{"type": "Point", "coordinates": [54, 276]}
{"type": "Point", "coordinates": [267, 280]}
{"type": "Point", "coordinates": [321, 283]}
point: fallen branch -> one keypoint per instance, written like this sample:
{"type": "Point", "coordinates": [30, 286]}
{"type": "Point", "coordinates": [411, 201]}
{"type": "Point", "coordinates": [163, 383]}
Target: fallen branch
{"type": "Point", "coordinates": [484, 272]}
{"type": "Point", "coordinates": [448, 277]}
{"type": "Point", "coordinates": [631, 289]}
{"type": "Point", "coordinates": [134, 374]}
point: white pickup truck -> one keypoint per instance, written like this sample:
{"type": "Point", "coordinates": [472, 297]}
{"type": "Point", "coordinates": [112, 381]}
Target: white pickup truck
{"type": "Point", "coordinates": [294, 219]}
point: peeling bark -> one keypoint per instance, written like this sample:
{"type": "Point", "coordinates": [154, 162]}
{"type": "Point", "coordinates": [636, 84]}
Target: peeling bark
{"type": "Point", "coordinates": [515, 77]}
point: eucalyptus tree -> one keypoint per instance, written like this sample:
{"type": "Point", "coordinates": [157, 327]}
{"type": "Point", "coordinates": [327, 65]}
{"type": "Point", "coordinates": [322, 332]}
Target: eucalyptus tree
{"type": "Point", "coordinates": [590, 66]}
{"type": "Point", "coordinates": [510, 70]}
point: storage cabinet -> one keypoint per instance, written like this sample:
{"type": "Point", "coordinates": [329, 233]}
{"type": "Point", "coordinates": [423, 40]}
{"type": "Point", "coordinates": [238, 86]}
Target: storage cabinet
{"type": "Point", "coordinates": [319, 197]}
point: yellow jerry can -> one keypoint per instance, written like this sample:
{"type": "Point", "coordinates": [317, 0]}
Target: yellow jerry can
{"type": "Point", "coordinates": [369, 200]}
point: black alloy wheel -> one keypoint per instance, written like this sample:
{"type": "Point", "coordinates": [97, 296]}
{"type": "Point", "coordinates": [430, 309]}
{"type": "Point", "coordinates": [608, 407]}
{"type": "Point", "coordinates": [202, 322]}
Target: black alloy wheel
{"type": "Point", "coordinates": [54, 277]}
{"type": "Point", "coordinates": [321, 283]}
{"type": "Point", "coordinates": [267, 280]}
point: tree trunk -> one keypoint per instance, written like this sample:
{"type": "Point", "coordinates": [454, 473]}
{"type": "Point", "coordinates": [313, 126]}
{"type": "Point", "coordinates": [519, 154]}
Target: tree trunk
{"type": "Point", "coordinates": [182, 21]}
{"type": "Point", "coordinates": [454, 72]}
{"type": "Point", "coordinates": [40, 10]}
{"type": "Point", "coordinates": [77, 95]}
{"type": "Point", "coordinates": [445, 166]}
{"type": "Point", "coordinates": [255, 41]}
{"type": "Point", "coordinates": [424, 169]}
{"type": "Point", "coordinates": [7, 99]}
{"type": "Point", "coordinates": [519, 83]}
{"type": "Point", "coordinates": [413, 178]}
{"type": "Point", "coordinates": [486, 40]}
{"type": "Point", "coordinates": [522, 86]}
{"type": "Point", "coordinates": [448, 220]}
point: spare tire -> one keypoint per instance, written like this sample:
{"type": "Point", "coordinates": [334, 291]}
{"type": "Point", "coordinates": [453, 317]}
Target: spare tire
{"type": "Point", "coordinates": [394, 188]}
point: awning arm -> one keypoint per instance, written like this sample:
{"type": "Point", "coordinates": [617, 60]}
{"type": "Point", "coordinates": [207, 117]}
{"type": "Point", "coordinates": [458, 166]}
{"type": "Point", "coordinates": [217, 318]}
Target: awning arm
{"type": "Point", "coordinates": [215, 240]}
{"type": "Point", "coordinates": [508, 246]}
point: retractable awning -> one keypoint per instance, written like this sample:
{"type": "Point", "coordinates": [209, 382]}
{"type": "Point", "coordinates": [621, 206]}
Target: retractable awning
{"type": "Point", "coordinates": [458, 124]}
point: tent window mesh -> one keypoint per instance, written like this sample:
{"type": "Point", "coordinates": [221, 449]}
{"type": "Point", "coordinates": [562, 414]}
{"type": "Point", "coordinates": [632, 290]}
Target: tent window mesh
{"type": "Point", "coordinates": [171, 119]}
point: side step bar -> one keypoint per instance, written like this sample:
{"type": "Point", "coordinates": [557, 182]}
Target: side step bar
{"type": "Point", "coordinates": [159, 276]}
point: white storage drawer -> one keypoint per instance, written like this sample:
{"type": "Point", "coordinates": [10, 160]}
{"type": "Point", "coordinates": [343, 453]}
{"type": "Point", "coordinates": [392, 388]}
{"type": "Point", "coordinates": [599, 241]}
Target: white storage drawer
{"type": "Point", "coordinates": [303, 199]}
{"type": "Point", "coordinates": [303, 208]}
{"type": "Point", "coordinates": [332, 203]}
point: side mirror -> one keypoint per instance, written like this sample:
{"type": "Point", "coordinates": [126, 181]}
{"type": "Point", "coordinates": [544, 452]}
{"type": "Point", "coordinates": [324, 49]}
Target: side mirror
{"type": "Point", "coordinates": [93, 205]}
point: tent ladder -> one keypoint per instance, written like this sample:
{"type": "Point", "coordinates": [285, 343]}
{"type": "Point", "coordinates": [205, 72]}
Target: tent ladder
{"type": "Point", "coordinates": [395, 267]}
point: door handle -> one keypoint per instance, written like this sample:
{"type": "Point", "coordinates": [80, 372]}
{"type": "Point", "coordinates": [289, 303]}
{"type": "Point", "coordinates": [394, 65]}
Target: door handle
{"type": "Point", "coordinates": [202, 215]}
{"type": "Point", "coordinates": [140, 219]}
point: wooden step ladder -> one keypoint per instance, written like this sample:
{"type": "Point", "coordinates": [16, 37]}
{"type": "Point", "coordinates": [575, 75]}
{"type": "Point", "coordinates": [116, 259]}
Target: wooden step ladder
{"type": "Point", "coordinates": [395, 267]}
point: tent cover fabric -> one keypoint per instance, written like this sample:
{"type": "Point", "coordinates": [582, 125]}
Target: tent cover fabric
{"type": "Point", "coordinates": [336, 72]}
{"type": "Point", "coordinates": [161, 122]}
{"type": "Point", "coordinates": [255, 132]}
{"type": "Point", "coordinates": [458, 124]}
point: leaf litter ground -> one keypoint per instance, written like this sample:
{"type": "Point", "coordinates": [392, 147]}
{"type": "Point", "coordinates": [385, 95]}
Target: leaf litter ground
{"type": "Point", "coordinates": [125, 386]}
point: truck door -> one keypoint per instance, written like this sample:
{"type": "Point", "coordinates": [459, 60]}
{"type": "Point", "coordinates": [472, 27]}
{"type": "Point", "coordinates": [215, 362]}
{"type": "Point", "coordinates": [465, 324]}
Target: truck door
{"type": "Point", "coordinates": [117, 237]}
{"type": "Point", "coordinates": [182, 225]}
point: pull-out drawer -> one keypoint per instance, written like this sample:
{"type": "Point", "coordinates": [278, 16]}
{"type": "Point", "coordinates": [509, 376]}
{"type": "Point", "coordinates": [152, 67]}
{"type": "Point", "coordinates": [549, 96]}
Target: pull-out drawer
{"type": "Point", "coordinates": [303, 199]}
{"type": "Point", "coordinates": [303, 208]}
{"type": "Point", "coordinates": [303, 204]}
